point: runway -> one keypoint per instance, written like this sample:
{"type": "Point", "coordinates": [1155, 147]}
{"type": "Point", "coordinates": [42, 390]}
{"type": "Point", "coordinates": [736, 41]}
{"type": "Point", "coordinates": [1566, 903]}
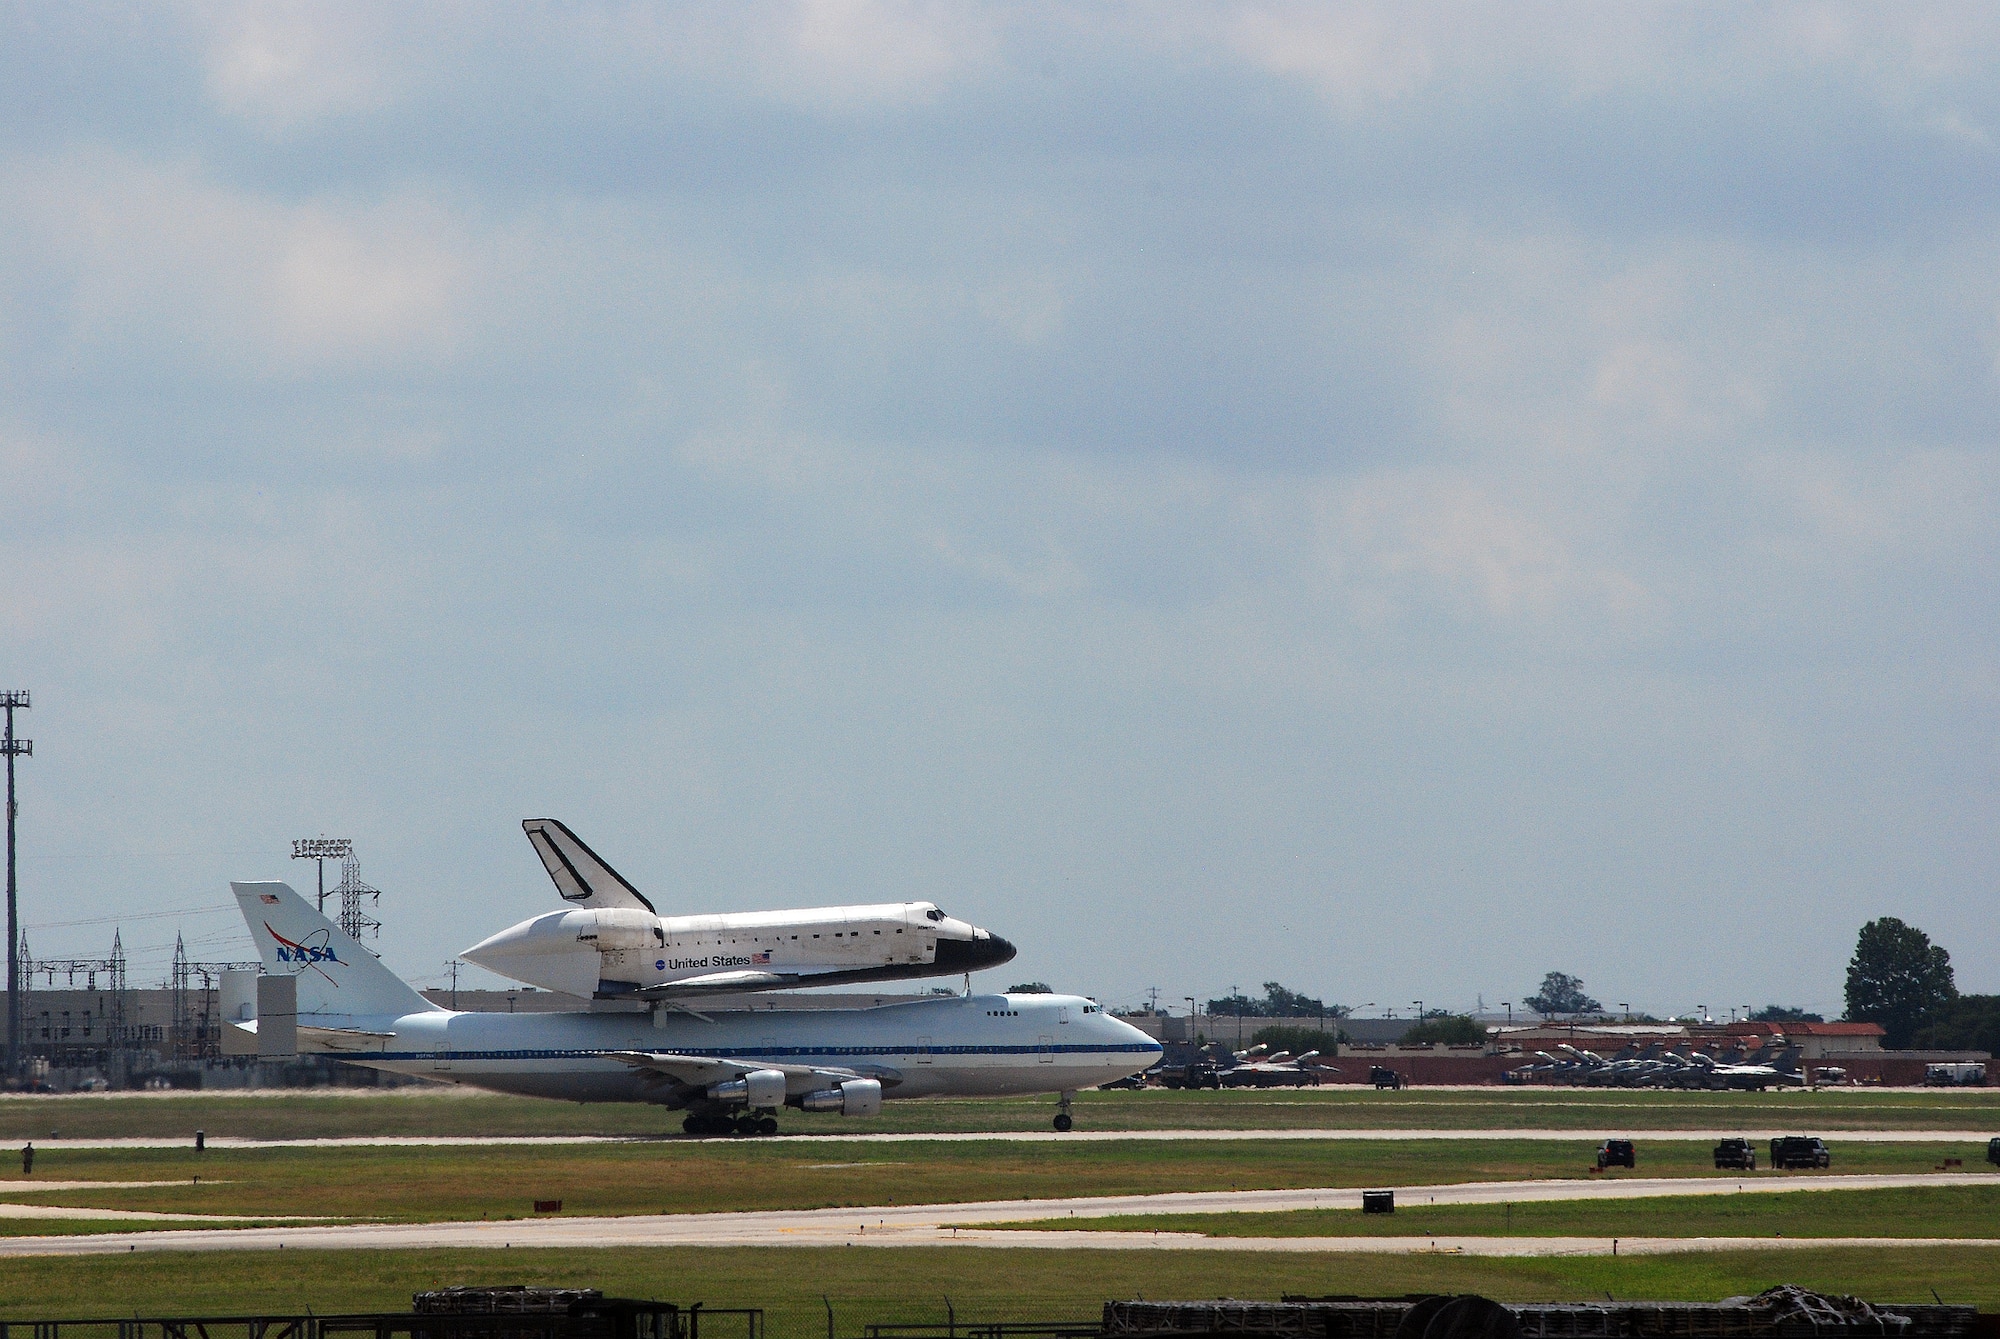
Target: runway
{"type": "Point", "coordinates": [1048, 1137]}
{"type": "Point", "coordinates": [964, 1224]}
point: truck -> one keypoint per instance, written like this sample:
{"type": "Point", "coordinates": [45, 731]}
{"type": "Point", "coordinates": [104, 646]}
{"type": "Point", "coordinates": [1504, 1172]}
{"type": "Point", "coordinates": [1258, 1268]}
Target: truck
{"type": "Point", "coordinates": [1955, 1075]}
{"type": "Point", "coordinates": [1737, 1155]}
{"type": "Point", "coordinates": [1384, 1077]}
{"type": "Point", "coordinates": [1199, 1074]}
{"type": "Point", "coordinates": [1794, 1151]}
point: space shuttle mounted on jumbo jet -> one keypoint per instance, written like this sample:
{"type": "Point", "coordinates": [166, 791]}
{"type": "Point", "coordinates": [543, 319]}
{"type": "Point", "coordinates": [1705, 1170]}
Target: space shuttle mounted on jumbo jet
{"type": "Point", "coordinates": [612, 944]}
{"type": "Point", "coordinates": [731, 1073]}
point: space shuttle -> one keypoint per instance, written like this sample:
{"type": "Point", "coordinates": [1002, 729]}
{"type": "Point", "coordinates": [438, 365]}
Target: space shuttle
{"type": "Point", "coordinates": [611, 943]}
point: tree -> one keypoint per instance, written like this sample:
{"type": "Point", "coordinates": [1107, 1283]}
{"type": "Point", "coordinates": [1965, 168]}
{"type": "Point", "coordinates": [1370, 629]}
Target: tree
{"type": "Point", "coordinates": [1784, 1013]}
{"type": "Point", "coordinates": [1561, 993]}
{"type": "Point", "coordinates": [1968, 1023]}
{"type": "Point", "coordinates": [1451, 1029]}
{"type": "Point", "coordinates": [1031, 988]}
{"type": "Point", "coordinates": [1897, 978]}
{"type": "Point", "coordinates": [1278, 1002]}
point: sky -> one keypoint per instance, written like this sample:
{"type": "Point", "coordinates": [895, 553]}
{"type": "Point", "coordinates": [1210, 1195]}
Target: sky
{"type": "Point", "coordinates": [1390, 499]}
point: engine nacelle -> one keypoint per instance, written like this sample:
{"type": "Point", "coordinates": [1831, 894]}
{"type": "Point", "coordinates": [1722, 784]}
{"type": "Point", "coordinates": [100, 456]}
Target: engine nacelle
{"type": "Point", "coordinates": [760, 1088]}
{"type": "Point", "coordinates": [856, 1097]}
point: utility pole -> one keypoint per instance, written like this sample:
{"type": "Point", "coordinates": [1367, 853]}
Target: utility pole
{"type": "Point", "coordinates": [455, 965]}
{"type": "Point", "coordinates": [14, 748]}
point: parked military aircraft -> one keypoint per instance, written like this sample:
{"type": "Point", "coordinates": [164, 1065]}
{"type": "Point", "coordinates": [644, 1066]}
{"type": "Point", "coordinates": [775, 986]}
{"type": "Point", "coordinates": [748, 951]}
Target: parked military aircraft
{"type": "Point", "coordinates": [1257, 1068]}
{"type": "Point", "coordinates": [613, 943]}
{"type": "Point", "coordinates": [729, 1071]}
{"type": "Point", "coordinates": [1655, 1069]}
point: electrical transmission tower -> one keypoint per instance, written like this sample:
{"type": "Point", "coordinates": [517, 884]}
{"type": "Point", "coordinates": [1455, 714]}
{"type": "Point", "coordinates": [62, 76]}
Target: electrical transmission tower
{"type": "Point", "coordinates": [356, 922]}
{"type": "Point", "coordinates": [13, 748]}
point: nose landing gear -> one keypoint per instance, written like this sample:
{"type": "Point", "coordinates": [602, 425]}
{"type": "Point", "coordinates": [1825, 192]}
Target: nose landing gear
{"type": "Point", "coordinates": [1063, 1122]}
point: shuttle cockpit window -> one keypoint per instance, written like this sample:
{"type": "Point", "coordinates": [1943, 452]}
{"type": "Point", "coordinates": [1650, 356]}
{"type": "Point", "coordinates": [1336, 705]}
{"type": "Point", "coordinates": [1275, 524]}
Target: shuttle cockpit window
{"type": "Point", "coordinates": [934, 914]}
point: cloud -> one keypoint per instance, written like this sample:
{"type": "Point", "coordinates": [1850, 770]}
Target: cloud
{"type": "Point", "coordinates": [161, 257]}
{"type": "Point", "coordinates": [282, 64]}
{"type": "Point", "coordinates": [1464, 464]}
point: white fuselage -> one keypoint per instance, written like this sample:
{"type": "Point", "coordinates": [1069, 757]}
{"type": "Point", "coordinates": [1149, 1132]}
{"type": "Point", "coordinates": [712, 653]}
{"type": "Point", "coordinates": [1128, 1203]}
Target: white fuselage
{"type": "Point", "coordinates": [613, 951]}
{"type": "Point", "coordinates": [972, 1046]}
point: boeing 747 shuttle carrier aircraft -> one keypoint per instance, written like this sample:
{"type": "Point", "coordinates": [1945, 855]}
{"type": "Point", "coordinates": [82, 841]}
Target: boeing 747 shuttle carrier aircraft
{"type": "Point", "coordinates": [614, 945]}
{"type": "Point", "coordinates": [730, 1072]}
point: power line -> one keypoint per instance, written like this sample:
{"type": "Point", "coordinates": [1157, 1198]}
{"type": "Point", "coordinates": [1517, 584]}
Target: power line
{"type": "Point", "coordinates": [208, 909]}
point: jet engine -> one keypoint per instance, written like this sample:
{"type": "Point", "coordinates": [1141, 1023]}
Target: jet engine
{"type": "Point", "coordinates": [856, 1097]}
{"type": "Point", "coordinates": [759, 1089]}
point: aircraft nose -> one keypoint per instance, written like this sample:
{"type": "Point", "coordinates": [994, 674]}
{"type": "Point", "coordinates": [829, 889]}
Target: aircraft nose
{"type": "Point", "coordinates": [969, 955]}
{"type": "Point", "coordinates": [527, 939]}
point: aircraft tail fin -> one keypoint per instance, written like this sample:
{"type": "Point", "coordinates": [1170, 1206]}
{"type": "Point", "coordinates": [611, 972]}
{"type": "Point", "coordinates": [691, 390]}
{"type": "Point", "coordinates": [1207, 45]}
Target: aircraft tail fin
{"type": "Point", "coordinates": [580, 874]}
{"type": "Point", "coordinates": [335, 974]}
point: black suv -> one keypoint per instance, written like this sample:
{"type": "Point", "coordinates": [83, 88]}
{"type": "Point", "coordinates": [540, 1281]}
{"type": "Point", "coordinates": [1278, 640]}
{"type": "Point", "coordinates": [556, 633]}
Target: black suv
{"type": "Point", "coordinates": [1616, 1153]}
{"type": "Point", "coordinates": [1794, 1151]}
{"type": "Point", "coordinates": [1384, 1077]}
{"type": "Point", "coordinates": [1993, 1151]}
{"type": "Point", "coordinates": [1739, 1154]}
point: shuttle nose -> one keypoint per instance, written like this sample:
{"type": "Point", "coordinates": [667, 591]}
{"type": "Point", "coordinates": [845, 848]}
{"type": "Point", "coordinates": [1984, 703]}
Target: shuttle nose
{"type": "Point", "coordinates": [531, 938]}
{"type": "Point", "coordinates": [969, 955]}
{"type": "Point", "coordinates": [506, 944]}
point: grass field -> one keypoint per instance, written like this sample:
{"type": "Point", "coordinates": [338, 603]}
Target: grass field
{"type": "Point", "coordinates": [425, 1111]}
{"type": "Point", "coordinates": [457, 1182]}
{"type": "Point", "coordinates": [1941, 1211]}
{"type": "Point", "coordinates": [879, 1286]}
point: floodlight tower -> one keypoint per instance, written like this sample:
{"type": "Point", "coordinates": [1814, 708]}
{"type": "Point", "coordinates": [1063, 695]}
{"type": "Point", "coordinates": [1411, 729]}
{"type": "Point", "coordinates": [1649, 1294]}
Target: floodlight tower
{"type": "Point", "coordinates": [13, 748]}
{"type": "Point", "coordinates": [322, 849]}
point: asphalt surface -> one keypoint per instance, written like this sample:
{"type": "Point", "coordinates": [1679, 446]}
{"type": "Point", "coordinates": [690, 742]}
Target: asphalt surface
{"type": "Point", "coordinates": [963, 1224]}
{"type": "Point", "coordinates": [1609, 1129]}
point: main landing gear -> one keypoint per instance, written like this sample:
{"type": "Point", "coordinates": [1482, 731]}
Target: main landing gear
{"type": "Point", "coordinates": [1063, 1122]}
{"type": "Point", "coordinates": [720, 1123]}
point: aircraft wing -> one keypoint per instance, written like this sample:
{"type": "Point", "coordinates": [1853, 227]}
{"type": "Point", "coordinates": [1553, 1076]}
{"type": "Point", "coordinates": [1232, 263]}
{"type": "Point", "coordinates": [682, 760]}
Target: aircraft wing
{"type": "Point", "coordinates": [700, 1071]}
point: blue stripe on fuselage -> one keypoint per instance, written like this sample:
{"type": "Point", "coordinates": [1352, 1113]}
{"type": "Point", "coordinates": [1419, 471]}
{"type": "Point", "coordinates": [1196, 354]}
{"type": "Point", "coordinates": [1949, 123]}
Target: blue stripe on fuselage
{"type": "Point", "coordinates": [758, 1052]}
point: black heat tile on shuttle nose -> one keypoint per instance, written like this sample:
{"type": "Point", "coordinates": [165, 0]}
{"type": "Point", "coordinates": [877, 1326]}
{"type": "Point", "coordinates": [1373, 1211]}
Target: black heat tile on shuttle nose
{"type": "Point", "coordinates": [969, 955]}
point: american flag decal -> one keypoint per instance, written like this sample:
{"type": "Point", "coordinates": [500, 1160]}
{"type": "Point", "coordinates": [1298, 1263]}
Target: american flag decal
{"type": "Point", "coordinates": [762, 959]}
{"type": "Point", "coordinates": [272, 898]}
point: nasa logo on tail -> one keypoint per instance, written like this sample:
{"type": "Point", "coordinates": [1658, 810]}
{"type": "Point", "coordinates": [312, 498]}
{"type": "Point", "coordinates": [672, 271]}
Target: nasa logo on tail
{"type": "Point", "coordinates": [310, 955]}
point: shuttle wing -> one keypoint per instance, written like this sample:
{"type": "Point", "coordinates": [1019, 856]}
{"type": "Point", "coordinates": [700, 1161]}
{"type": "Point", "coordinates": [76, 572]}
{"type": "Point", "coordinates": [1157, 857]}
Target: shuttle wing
{"type": "Point", "coordinates": [719, 983]}
{"type": "Point", "coordinates": [725, 983]}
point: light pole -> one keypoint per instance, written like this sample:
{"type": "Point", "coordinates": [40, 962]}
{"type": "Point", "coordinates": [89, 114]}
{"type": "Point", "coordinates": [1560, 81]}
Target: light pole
{"type": "Point", "coordinates": [1625, 1008]}
{"type": "Point", "coordinates": [322, 849]}
{"type": "Point", "coordinates": [14, 748]}
{"type": "Point", "coordinates": [1508, 1005]}
{"type": "Point", "coordinates": [1191, 1033]}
